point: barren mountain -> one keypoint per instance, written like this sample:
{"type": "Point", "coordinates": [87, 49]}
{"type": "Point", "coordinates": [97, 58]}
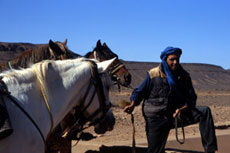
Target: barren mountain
{"type": "Point", "coordinates": [211, 82]}
{"type": "Point", "coordinates": [204, 76]}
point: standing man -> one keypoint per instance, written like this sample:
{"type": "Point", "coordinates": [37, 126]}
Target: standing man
{"type": "Point", "coordinates": [168, 93]}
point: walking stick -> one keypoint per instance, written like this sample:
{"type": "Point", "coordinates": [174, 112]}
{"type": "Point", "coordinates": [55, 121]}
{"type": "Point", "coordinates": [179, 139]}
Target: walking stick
{"type": "Point", "coordinates": [122, 105]}
{"type": "Point", "coordinates": [133, 140]}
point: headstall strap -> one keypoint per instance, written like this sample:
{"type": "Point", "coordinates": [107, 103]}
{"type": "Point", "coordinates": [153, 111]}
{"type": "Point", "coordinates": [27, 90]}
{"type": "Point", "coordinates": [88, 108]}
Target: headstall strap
{"type": "Point", "coordinates": [81, 120]}
{"type": "Point", "coordinates": [116, 68]}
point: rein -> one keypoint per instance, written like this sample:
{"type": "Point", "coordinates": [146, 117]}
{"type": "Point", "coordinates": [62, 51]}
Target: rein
{"type": "Point", "coordinates": [176, 131]}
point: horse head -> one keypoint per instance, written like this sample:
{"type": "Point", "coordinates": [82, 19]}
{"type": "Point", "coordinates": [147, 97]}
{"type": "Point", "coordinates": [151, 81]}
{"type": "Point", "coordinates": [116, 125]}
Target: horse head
{"type": "Point", "coordinates": [117, 70]}
{"type": "Point", "coordinates": [60, 51]}
{"type": "Point", "coordinates": [97, 113]}
{"type": "Point", "coordinates": [106, 121]}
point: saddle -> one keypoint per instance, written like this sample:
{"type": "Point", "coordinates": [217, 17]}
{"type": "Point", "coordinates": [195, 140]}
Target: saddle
{"type": "Point", "coordinates": [5, 124]}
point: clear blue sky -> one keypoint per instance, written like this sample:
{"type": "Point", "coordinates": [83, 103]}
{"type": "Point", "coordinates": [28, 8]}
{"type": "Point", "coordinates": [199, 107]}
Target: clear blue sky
{"type": "Point", "coordinates": [136, 30]}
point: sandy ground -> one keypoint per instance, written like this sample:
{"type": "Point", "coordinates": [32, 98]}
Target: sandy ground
{"type": "Point", "coordinates": [120, 139]}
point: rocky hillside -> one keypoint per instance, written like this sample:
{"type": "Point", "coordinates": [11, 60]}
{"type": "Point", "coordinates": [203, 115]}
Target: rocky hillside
{"type": "Point", "coordinates": [204, 76]}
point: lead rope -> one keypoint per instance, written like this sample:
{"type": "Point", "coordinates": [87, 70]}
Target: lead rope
{"type": "Point", "coordinates": [176, 132]}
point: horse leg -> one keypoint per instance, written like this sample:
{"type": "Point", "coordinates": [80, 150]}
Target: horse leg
{"type": "Point", "coordinates": [56, 143]}
{"type": "Point", "coordinates": [67, 147]}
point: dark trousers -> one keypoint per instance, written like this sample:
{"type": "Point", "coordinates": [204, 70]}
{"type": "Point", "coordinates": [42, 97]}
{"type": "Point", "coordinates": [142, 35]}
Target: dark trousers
{"type": "Point", "coordinates": [158, 127]}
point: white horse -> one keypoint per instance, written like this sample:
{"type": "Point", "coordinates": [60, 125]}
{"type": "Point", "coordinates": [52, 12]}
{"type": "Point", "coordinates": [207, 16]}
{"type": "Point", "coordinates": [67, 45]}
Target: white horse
{"type": "Point", "coordinates": [47, 92]}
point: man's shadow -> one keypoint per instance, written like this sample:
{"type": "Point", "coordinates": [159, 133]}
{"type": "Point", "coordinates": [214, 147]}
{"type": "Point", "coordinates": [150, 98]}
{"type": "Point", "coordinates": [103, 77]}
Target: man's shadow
{"type": "Point", "coordinates": [128, 149]}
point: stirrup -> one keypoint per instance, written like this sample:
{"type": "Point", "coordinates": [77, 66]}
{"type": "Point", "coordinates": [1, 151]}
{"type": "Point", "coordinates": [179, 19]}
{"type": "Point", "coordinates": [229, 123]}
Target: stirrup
{"type": "Point", "coordinates": [6, 129]}
{"type": "Point", "coordinates": [5, 124]}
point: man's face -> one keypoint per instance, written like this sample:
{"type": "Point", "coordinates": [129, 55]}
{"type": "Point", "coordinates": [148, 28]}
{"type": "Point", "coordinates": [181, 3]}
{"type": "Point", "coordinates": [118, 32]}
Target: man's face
{"type": "Point", "coordinates": [173, 61]}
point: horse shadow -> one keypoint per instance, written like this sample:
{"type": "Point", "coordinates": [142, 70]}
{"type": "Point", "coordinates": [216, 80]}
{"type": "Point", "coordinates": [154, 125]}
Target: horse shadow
{"type": "Point", "coordinates": [222, 127]}
{"type": "Point", "coordinates": [128, 149]}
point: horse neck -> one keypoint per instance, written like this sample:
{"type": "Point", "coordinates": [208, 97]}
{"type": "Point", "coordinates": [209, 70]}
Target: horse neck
{"type": "Point", "coordinates": [64, 88]}
{"type": "Point", "coordinates": [30, 57]}
{"type": "Point", "coordinates": [4, 66]}
{"type": "Point", "coordinates": [24, 89]}
{"type": "Point", "coordinates": [67, 87]}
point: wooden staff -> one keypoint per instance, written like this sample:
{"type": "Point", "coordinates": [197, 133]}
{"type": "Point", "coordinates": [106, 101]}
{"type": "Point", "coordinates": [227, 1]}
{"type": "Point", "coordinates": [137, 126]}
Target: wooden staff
{"type": "Point", "coordinates": [133, 140]}
{"type": "Point", "coordinates": [122, 105]}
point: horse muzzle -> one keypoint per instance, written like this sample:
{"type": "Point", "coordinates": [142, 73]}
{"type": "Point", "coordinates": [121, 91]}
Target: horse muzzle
{"type": "Point", "coordinates": [106, 124]}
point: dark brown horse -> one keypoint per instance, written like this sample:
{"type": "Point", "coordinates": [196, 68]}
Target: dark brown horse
{"type": "Point", "coordinates": [52, 51]}
{"type": "Point", "coordinates": [118, 71]}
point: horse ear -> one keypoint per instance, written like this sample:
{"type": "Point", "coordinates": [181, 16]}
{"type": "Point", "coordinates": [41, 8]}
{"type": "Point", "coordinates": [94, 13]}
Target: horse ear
{"type": "Point", "coordinates": [103, 66]}
{"type": "Point", "coordinates": [99, 43]}
{"type": "Point", "coordinates": [51, 43]}
{"type": "Point", "coordinates": [104, 44]}
{"type": "Point", "coordinates": [55, 48]}
{"type": "Point", "coordinates": [65, 42]}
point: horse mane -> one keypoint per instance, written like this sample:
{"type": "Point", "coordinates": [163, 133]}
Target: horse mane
{"type": "Point", "coordinates": [53, 50]}
{"type": "Point", "coordinates": [87, 55]}
{"type": "Point", "coordinates": [28, 57]}
{"type": "Point", "coordinates": [43, 65]}
{"type": "Point", "coordinates": [35, 54]}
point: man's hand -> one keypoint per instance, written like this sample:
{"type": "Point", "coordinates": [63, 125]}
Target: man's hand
{"type": "Point", "coordinates": [178, 111]}
{"type": "Point", "coordinates": [129, 108]}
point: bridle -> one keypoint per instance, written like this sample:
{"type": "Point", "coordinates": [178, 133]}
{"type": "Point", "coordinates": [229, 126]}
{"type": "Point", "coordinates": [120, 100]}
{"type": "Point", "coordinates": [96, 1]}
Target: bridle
{"type": "Point", "coordinates": [81, 120]}
{"type": "Point", "coordinates": [113, 69]}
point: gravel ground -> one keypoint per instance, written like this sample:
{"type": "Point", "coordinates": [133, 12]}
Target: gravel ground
{"type": "Point", "coordinates": [219, 102]}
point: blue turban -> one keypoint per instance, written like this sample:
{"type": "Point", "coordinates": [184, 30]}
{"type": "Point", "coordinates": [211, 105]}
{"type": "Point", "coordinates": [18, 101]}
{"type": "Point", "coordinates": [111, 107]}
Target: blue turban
{"type": "Point", "coordinates": [164, 55]}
